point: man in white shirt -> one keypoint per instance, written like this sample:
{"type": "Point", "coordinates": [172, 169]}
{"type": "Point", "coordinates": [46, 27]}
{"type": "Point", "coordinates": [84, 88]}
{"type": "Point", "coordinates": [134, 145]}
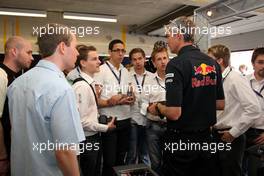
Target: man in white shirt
{"type": "Point", "coordinates": [240, 112]}
{"type": "Point", "coordinates": [113, 101]}
{"type": "Point", "coordinates": [155, 126]}
{"type": "Point", "coordinates": [139, 76]}
{"type": "Point", "coordinates": [255, 135]}
{"type": "Point", "coordinates": [89, 63]}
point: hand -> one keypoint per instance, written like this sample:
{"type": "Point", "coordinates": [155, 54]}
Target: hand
{"type": "Point", "coordinates": [114, 100]}
{"type": "Point", "coordinates": [226, 136]}
{"type": "Point", "coordinates": [152, 109]}
{"type": "Point", "coordinates": [260, 139]}
{"type": "Point", "coordinates": [98, 89]}
{"type": "Point", "coordinates": [127, 100]}
{"type": "Point", "coordinates": [111, 125]}
{"type": "Point", "coordinates": [4, 167]}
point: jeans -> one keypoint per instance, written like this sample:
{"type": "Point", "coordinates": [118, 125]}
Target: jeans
{"type": "Point", "coordinates": [138, 152]}
{"type": "Point", "coordinates": [154, 134]}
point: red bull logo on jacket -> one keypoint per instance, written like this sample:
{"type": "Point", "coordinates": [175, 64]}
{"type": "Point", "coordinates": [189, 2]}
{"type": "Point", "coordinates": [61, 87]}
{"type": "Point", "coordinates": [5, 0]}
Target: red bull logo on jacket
{"type": "Point", "coordinates": [206, 80]}
{"type": "Point", "coordinates": [204, 69]}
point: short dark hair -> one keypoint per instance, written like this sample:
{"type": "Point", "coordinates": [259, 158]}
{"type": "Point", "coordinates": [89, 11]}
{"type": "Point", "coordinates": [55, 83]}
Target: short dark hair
{"type": "Point", "coordinates": [136, 50]}
{"type": "Point", "coordinates": [113, 42]}
{"type": "Point", "coordinates": [220, 51]}
{"type": "Point", "coordinates": [49, 40]}
{"type": "Point", "coordinates": [256, 53]}
{"type": "Point", "coordinates": [83, 53]}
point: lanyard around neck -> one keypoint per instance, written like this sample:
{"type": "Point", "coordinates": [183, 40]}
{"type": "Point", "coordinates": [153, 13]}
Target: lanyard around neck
{"type": "Point", "coordinates": [117, 78]}
{"type": "Point", "coordinates": [142, 83]}
{"type": "Point", "coordinates": [258, 93]}
{"type": "Point", "coordinates": [159, 83]}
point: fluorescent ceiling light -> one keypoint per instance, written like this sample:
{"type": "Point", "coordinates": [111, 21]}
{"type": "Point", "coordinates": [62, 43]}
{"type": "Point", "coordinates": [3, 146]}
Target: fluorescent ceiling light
{"type": "Point", "coordinates": [22, 12]}
{"type": "Point", "coordinates": [89, 17]}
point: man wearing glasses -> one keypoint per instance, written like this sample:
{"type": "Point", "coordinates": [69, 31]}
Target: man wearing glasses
{"type": "Point", "coordinates": [114, 101]}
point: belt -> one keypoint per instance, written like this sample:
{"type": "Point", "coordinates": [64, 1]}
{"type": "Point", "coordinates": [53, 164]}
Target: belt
{"type": "Point", "coordinates": [256, 130]}
{"type": "Point", "coordinates": [97, 135]}
{"type": "Point", "coordinates": [183, 131]}
{"type": "Point", "coordinates": [224, 129]}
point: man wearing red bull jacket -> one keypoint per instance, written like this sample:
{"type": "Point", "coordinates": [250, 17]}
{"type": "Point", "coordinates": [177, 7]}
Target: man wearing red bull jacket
{"type": "Point", "coordinates": [193, 93]}
{"type": "Point", "coordinates": [241, 111]}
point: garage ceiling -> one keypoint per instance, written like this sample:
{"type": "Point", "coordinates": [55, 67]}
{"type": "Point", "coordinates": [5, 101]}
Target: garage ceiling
{"type": "Point", "coordinates": [135, 13]}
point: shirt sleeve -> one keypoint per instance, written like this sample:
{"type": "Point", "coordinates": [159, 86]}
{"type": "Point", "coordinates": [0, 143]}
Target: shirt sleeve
{"type": "Point", "coordinates": [3, 90]}
{"type": "Point", "coordinates": [66, 127]}
{"type": "Point", "coordinates": [174, 86]}
{"type": "Point", "coordinates": [84, 99]}
{"type": "Point", "coordinates": [220, 90]}
{"type": "Point", "coordinates": [251, 109]}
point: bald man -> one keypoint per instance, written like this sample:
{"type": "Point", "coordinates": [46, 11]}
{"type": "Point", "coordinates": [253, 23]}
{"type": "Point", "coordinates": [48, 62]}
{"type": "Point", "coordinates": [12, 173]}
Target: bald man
{"type": "Point", "coordinates": [18, 56]}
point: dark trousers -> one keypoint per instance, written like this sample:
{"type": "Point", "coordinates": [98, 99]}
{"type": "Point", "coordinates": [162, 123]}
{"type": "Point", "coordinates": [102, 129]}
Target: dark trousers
{"type": "Point", "coordinates": [115, 146]}
{"type": "Point", "coordinates": [185, 160]}
{"type": "Point", "coordinates": [90, 158]}
{"type": "Point", "coordinates": [230, 162]}
{"type": "Point", "coordinates": [252, 163]}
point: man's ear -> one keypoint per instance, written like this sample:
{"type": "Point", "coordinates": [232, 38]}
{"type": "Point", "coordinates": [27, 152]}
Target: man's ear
{"type": "Point", "coordinates": [14, 51]}
{"type": "Point", "coordinates": [220, 61]}
{"type": "Point", "coordinates": [61, 48]}
{"type": "Point", "coordinates": [82, 63]}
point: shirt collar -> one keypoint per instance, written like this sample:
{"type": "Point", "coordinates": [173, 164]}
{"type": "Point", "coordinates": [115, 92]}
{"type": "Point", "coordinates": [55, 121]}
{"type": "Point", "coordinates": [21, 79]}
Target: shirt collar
{"type": "Point", "coordinates": [134, 73]}
{"type": "Point", "coordinates": [253, 78]}
{"type": "Point", "coordinates": [226, 72]}
{"type": "Point", "coordinates": [186, 49]}
{"type": "Point", "coordinates": [51, 66]}
{"type": "Point", "coordinates": [156, 75]}
{"type": "Point", "coordinates": [88, 78]}
{"type": "Point", "coordinates": [114, 68]}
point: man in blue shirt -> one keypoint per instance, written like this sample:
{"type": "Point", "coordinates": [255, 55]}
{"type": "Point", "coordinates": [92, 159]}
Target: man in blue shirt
{"type": "Point", "coordinates": [45, 122]}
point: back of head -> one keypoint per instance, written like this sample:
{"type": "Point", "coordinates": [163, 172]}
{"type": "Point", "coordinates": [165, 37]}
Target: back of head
{"type": "Point", "coordinates": [51, 36]}
{"type": "Point", "coordinates": [14, 42]}
{"type": "Point", "coordinates": [220, 52]}
{"type": "Point", "coordinates": [184, 26]}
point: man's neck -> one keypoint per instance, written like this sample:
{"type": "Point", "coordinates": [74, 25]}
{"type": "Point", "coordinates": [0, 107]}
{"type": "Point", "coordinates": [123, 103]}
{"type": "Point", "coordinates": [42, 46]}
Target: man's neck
{"type": "Point", "coordinates": [116, 65]}
{"type": "Point", "coordinates": [258, 78]}
{"type": "Point", "coordinates": [88, 73]}
{"type": "Point", "coordinates": [183, 45]}
{"type": "Point", "coordinates": [11, 65]}
{"type": "Point", "coordinates": [140, 71]}
{"type": "Point", "coordinates": [161, 74]}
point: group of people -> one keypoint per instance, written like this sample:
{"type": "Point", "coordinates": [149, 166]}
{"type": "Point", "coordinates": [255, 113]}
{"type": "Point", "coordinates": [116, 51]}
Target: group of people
{"type": "Point", "coordinates": [101, 115]}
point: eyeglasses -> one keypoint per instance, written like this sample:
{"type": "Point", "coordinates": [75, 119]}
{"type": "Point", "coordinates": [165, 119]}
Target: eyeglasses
{"type": "Point", "coordinates": [261, 62]}
{"type": "Point", "coordinates": [119, 50]}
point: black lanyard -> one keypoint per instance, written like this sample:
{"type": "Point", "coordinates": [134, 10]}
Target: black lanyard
{"type": "Point", "coordinates": [159, 83]}
{"type": "Point", "coordinates": [117, 78]}
{"type": "Point", "coordinates": [258, 93]}
{"type": "Point", "coordinates": [142, 83]}
{"type": "Point", "coordinates": [227, 74]}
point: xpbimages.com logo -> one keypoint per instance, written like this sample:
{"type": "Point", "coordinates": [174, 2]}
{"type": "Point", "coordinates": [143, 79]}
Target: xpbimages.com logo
{"type": "Point", "coordinates": [79, 31]}
{"type": "Point", "coordinates": [212, 147]}
{"type": "Point", "coordinates": [196, 30]}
